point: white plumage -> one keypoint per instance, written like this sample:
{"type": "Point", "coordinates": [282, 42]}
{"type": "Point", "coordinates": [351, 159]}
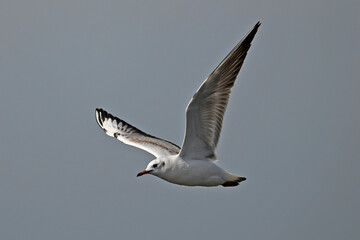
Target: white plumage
{"type": "Point", "coordinates": [194, 163]}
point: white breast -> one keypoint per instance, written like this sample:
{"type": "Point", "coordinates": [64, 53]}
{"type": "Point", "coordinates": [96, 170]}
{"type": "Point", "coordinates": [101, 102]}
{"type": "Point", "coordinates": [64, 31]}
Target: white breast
{"type": "Point", "coordinates": [192, 172]}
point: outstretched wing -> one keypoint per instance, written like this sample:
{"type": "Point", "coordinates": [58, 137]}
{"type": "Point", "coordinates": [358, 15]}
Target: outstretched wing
{"type": "Point", "coordinates": [205, 112]}
{"type": "Point", "coordinates": [117, 128]}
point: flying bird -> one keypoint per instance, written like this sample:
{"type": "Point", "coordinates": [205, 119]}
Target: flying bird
{"type": "Point", "coordinates": [195, 162]}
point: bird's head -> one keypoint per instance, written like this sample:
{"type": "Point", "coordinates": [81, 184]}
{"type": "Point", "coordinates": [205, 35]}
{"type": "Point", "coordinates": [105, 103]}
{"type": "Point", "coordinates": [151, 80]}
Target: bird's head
{"type": "Point", "coordinates": [154, 167]}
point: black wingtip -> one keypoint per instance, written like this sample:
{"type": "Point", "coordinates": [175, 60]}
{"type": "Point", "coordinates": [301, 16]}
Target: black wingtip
{"type": "Point", "coordinates": [101, 115]}
{"type": "Point", "coordinates": [98, 116]}
{"type": "Point", "coordinates": [257, 25]}
{"type": "Point", "coordinates": [250, 36]}
{"type": "Point", "coordinates": [100, 110]}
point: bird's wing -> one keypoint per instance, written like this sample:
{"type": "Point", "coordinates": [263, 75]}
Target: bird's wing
{"type": "Point", "coordinates": [117, 128]}
{"type": "Point", "coordinates": [205, 112]}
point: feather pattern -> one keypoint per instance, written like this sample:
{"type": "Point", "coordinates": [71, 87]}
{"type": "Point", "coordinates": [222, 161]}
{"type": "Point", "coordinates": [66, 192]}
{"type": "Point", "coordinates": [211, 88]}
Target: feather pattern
{"type": "Point", "coordinates": [128, 134]}
{"type": "Point", "coordinates": [205, 112]}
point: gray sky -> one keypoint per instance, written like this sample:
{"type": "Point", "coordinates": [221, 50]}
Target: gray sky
{"type": "Point", "coordinates": [292, 126]}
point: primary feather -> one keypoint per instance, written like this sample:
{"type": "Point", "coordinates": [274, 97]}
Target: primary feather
{"type": "Point", "coordinates": [205, 112]}
{"type": "Point", "coordinates": [128, 134]}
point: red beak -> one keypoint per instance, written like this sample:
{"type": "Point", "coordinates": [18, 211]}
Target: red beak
{"type": "Point", "coordinates": [142, 173]}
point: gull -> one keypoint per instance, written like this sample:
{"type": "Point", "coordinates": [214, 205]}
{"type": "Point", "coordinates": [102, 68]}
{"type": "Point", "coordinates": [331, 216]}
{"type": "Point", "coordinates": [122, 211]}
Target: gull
{"type": "Point", "coordinates": [195, 163]}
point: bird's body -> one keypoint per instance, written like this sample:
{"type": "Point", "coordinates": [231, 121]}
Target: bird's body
{"type": "Point", "coordinates": [192, 172]}
{"type": "Point", "coordinates": [195, 163]}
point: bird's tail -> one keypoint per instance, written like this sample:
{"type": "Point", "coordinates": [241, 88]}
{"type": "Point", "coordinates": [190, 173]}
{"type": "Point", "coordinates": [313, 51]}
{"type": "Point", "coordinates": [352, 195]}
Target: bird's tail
{"type": "Point", "coordinates": [233, 180]}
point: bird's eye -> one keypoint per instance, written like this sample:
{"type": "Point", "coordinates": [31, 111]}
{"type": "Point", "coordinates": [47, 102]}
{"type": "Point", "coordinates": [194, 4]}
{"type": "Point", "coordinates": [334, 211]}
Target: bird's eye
{"type": "Point", "coordinates": [155, 165]}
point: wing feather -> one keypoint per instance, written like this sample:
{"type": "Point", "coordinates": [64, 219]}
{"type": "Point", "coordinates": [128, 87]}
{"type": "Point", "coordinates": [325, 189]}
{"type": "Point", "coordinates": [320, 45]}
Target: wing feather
{"type": "Point", "coordinates": [128, 134]}
{"type": "Point", "coordinates": [205, 112]}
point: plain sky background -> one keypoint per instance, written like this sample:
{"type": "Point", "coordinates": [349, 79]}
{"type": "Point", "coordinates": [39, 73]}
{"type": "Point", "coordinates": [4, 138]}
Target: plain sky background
{"type": "Point", "coordinates": [292, 126]}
